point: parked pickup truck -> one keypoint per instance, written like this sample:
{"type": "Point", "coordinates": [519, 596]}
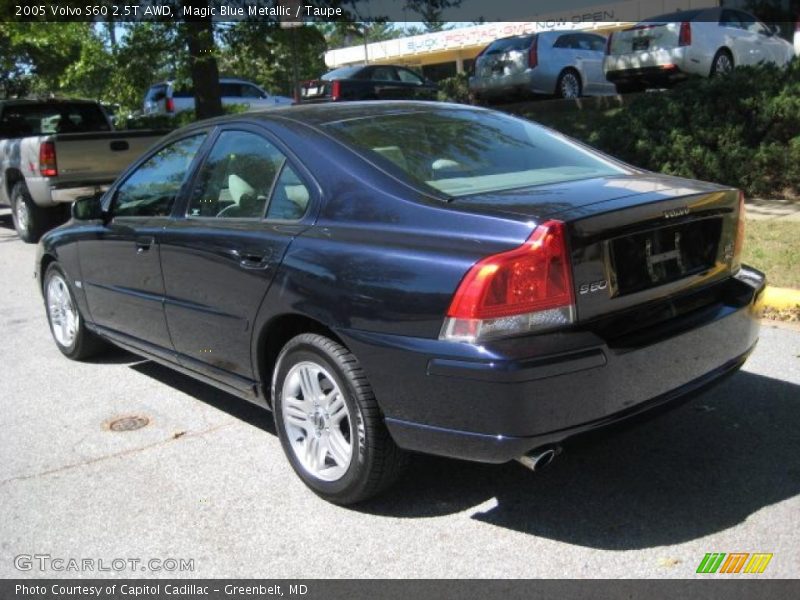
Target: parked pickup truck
{"type": "Point", "coordinates": [54, 151]}
{"type": "Point", "coordinates": [368, 82]}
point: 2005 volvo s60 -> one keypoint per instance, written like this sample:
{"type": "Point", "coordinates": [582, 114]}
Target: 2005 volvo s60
{"type": "Point", "coordinates": [390, 277]}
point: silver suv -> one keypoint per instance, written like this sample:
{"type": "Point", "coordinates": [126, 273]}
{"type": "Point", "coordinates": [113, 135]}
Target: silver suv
{"type": "Point", "coordinates": [165, 98]}
{"type": "Point", "coordinates": [567, 64]}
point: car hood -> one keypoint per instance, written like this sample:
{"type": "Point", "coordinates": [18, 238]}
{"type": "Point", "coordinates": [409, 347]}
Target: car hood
{"type": "Point", "coordinates": [574, 198]}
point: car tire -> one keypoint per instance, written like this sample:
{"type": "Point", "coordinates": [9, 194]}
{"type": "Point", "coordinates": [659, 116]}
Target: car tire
{"type": "Point", "coordinates": [329, 422]}
{"type": "Point", "coordinates": [722, 63]}
{"type": "Point", "coordinates": [30, 220]}
{"type": "Point", "coordinates": [569, 85]}
{"type": "Point", "coordinates": [66, 322]}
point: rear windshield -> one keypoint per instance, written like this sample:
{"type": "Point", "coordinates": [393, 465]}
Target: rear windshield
{"type": "Point", "coordinates": [156, 93]}
{"type": "Point", "coordinates": [509, 44]}
{"type": "Point", "coordinates": [343, 73]}
{"type": "Point", "coordinates": [462, 152]}
{"type": "Point", "coordinates": [43, 118]}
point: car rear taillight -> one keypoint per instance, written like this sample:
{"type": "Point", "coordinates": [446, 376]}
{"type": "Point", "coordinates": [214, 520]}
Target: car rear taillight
{"type": "Point", "coordinates": [47, 159]}
{"type": "Point", "coordinates": [608, 43]}
{"type": "Point", "coordinates": [169, 105]}
{"type": "Point", "coordinates": [533, 53]}
{"type": "Point", "coordinates": [336, 90]}
{"type": "Point", "coordinates": [738, 243]}
{"type": "Point", "coordinates": [527, 289]}
{"type": "Point", "coordinates": [685, 35]}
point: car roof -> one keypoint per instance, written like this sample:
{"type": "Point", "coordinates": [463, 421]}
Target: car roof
{"type": "Point", "coordinates": [316, 115]}
{"type": "Point", "coordinates": [685, 15]}
{"type": "Point", "coordinates": [221, 80]}
{"type": "Point", "coordinates": [29, 101]}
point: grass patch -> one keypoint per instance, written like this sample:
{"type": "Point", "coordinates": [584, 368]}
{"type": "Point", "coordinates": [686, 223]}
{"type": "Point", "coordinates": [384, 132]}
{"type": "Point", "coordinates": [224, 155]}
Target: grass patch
{"type": "Point", "coordinates": [773, 246]}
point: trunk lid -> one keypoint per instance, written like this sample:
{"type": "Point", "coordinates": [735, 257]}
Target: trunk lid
{"type": "Point", "coordinates": [504, 57]}
{"type": "Point", "coordinates": [633, 239]}
{"type": "Point", "coordinates": [645, 37]}
{"type": "Point", "coordinates": [314, 89]}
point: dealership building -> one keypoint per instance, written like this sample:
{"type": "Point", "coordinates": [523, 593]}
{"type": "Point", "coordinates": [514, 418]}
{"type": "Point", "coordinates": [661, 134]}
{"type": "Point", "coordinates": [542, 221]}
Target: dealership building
{"type": "Point", "coordinates": [445, 53]}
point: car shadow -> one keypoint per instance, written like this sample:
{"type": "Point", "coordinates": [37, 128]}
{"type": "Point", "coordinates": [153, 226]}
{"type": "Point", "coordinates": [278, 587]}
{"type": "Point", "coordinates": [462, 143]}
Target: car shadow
{"type": "Point", "coordinates": [699, 469]}
{"type": "Point", "coordinates": [114, 355]}
{"type": "Point", "coordinates": [6, 220]}
{"type": "Point", "coordinates": [685, 474]}
{"type": "Point", "coordinates": [236, 407]}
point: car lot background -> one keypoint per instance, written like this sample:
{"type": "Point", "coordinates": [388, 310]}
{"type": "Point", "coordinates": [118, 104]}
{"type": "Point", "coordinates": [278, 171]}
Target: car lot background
{"type": "Point", "coordinates": [207, 480]}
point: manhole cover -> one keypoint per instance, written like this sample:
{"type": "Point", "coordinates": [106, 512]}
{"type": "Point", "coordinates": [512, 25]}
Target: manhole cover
{"type": "Point", "coordinates": [128, 423]}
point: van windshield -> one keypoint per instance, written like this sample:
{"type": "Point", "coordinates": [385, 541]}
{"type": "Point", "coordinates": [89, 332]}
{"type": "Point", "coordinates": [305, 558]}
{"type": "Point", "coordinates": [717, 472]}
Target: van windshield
{"type": "Point", "coordinates": [462, 152]}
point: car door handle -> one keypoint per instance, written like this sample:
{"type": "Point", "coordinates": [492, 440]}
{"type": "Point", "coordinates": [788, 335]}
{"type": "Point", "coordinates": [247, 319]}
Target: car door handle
{"type": "Point", "coordinates": [143, 244]}
{"type": "Point", "coordinates": [251, 261]}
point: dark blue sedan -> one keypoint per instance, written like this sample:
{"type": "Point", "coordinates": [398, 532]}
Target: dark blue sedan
{"type": "Point", "coordinates": [390, 277]}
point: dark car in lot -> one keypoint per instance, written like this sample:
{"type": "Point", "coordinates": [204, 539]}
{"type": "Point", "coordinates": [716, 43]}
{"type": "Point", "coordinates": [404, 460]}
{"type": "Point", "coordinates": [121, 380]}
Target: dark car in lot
{"type": "Point", "coordinates": [368, 82]}
{"type": "Point", "coordinates": [406, 276]}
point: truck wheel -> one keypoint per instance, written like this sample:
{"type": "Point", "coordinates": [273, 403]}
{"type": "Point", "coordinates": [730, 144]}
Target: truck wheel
{"type": "Point", "coordinates": [30, 220]}
{"type": "Point", "coordinates": [329, 423]}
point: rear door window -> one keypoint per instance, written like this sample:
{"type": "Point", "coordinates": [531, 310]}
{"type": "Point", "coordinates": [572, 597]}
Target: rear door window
{"type": "Point", "coordinates": [384, 74]}
{"type": "Point", "coordinates": [237, 178]}
{"type": "Point", "coordinates": [407, 76]}
{"type": "Point", "coordinates": [595, 43]}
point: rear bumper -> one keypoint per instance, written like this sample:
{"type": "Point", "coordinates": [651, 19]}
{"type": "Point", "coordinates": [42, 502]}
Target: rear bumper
{"type": "Point", "coordinates": [661, 76]}
{"type": "Point", "coordinates": [494, 404]}
{"type": "Point", "coordinates": [46, 192]}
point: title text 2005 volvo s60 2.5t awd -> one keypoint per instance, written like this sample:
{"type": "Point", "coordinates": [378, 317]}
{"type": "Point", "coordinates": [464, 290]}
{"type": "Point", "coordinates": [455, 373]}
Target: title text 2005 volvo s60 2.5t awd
{"type": "Point", "coordinates": [406, 276]}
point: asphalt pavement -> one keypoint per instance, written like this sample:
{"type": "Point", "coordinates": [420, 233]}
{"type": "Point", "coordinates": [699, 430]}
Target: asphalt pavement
{"type": "Point", "coordinates": [206, 481]}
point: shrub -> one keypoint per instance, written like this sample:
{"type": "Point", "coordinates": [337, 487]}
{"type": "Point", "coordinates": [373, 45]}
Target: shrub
{"type": "Point", "coordinates": [175, 121]}
{"type": "Point", "coordinates": [741, 130]}
{"type": "Point", "coordinates": [454, 89]}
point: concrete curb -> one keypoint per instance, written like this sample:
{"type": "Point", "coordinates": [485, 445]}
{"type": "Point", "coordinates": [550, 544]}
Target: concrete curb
{"type": "Point", "coordinates": [781, 298]}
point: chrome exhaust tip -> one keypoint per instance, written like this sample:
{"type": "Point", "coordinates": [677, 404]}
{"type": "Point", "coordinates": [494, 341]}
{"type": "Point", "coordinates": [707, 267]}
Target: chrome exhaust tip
{"type": "Point", "coordinates": [538, 459]}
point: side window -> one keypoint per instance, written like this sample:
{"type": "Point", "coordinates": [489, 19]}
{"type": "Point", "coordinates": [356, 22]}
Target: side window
{"type": "Point", "coordinates": [563, 41]}
{"type": "Point", "coordinates": [290, 198]}
{"type": "Point", "coordinates": [236, 180]}
{"type": "Point", "coordinates": [230, 90]}
{"type": "Point", "coordinates": [493, 48]}
{"type": "Point", "coordinates": [383, 74]}
{"type": "Point", "coordinates": [592, 42]}
{"type": "Point", "coordinates": [729, 19]}
{"type": "Point", "coordinates": [251, 91]}
{"type": "Point", "coordinates": [407, 76]}
{"type": "Point", "coordinates": [751, 24]}
{"type": "Point", "coordinates": [152, 188]}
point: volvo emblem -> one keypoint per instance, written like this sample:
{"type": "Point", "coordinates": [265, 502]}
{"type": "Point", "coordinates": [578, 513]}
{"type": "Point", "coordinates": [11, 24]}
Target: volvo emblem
{"type": "Point", "coordinates": [674, 213]}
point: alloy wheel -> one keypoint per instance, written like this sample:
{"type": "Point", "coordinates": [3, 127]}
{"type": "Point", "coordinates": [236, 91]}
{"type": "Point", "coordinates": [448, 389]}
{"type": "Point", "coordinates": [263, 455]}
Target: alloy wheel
{"type": "Point", "coordinates": [318, 423]}
{"type": "Point", "coordinates": [62, 312]}
{"type": "Point", "coordinates": [723, 64]}
{"type": "Point", "coordinates": [570, 86]}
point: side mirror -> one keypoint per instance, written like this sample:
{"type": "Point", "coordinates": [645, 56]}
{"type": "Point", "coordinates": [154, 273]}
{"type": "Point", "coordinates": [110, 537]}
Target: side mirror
{"type": "Point", "coordinates": [775, 29]}
{"type": "Point", "coordinates": [88, 208]}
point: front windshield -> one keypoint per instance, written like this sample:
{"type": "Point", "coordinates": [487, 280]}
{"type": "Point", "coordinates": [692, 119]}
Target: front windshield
{"type": "Point", "coordinates": [461, 151]}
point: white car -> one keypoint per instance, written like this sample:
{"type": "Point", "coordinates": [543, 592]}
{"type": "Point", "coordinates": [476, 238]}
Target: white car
{"type": "Point", "coordinates": [662, 50]}
{"type": "Point", "coordinates": [165, 98]}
